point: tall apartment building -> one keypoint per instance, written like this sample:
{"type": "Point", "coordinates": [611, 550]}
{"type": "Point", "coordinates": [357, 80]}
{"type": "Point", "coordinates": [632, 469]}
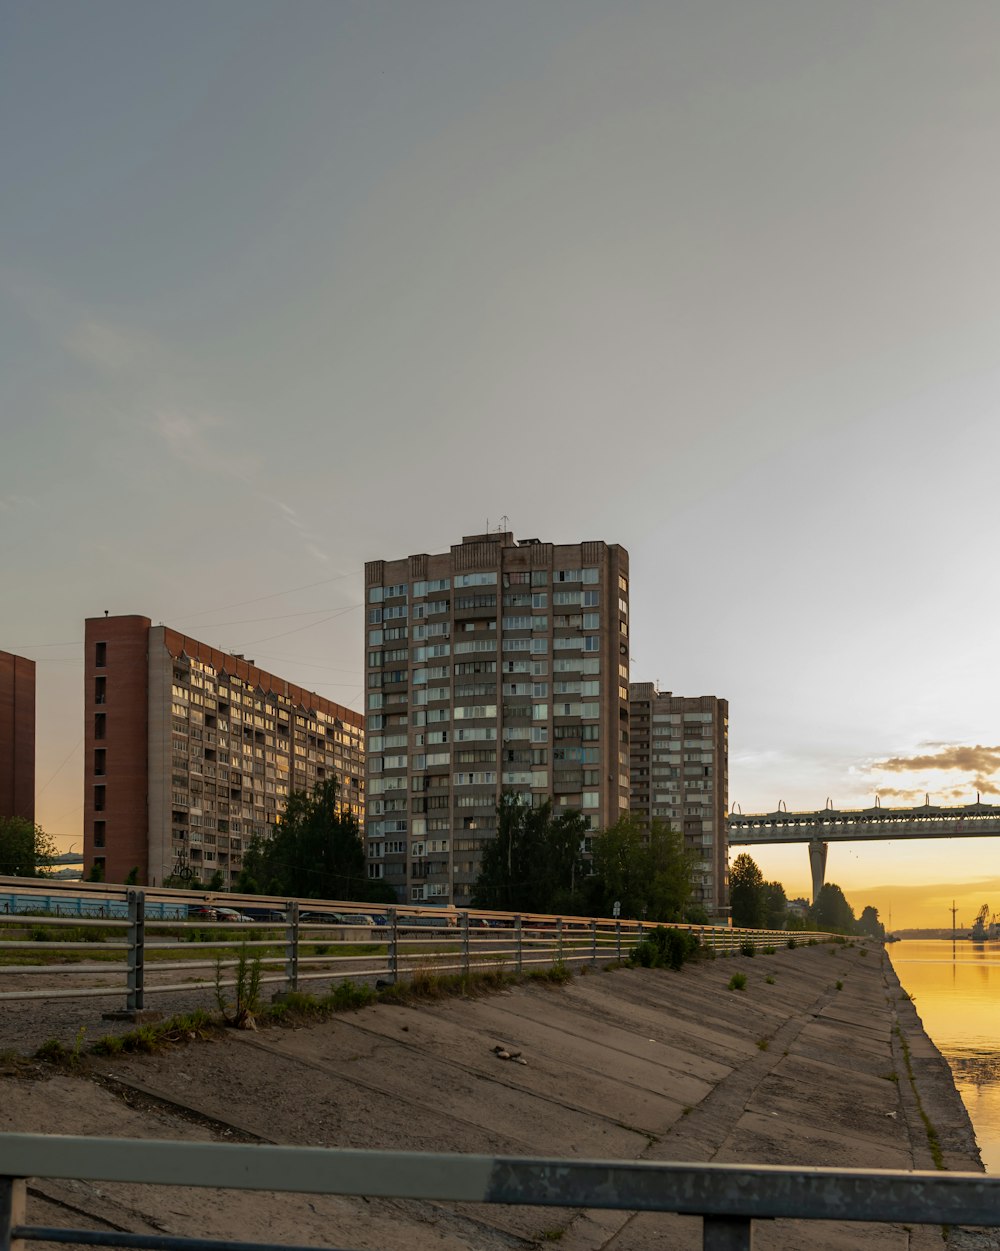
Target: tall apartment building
{"type": "Point", "coordinates": [190, 751]}
{"type": "Point", "coordinates": [680, 773]}
{"type": "Point", "coordinates": [497, 666]}
{"type": "Point", "coordinates": [17, 736]}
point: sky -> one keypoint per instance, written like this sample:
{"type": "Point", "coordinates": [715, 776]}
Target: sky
{"type": "Point", "coordinates": [285, 287]}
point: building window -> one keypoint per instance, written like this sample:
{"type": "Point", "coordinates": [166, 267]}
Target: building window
{"type": "Point", "coordinates": [99, 798]}
{"type": "Point", "coordinates": [98, 833]}
{"type": "Point", "coordinates": [100, 724]}
{"type": "Point", "coordinates": [101, 655]}
{"type": "Point", "coordinates": [100, 690]}
{"type": "Point", "coordinates": [100, 762]}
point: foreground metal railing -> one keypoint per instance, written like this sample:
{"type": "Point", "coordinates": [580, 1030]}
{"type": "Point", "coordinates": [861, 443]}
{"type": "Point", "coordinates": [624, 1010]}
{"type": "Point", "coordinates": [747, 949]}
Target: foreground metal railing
{"type": "Point", "coordinates": [164, 942]}
{"type": "Point", "coordinates": [728, 1197]}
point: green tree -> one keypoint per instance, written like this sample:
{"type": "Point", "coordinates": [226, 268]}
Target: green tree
{"type": "Point", "coordinates": [868, 923]}
{"type": "Point", "coordinates": [831, 911]}
{"type": "Point", "coordinates": [314, 851]}
{"type": "Point", "coordinates": [644, 869]}
{"type": "Point", "coordinates": [535, 863]}
{"type": "Point", "coordinates": [25, 849]}
{"type": "Point", "coordinates": [775, 906]}
{"type": "Point", "coordinates": [746, 892]}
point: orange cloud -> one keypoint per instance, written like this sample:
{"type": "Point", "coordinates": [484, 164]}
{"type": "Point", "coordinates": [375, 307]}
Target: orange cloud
{"type": "Point", "coordinates": [979, 760]}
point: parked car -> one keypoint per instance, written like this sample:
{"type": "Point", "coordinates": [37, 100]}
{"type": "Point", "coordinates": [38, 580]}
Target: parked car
{"type": "Point", "coordinates": [264, 914]}
{"type": "Point", "coordinates": [230, 914]}
{"type": "Point", "coordinates": [201, 912]}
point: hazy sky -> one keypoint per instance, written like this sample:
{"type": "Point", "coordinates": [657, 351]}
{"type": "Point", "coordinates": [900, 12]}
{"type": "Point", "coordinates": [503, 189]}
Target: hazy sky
{"type": "Point", "coordinates": [285, 287]}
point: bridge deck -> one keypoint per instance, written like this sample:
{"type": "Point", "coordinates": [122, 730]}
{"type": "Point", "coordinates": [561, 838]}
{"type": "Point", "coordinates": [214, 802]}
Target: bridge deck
{"type": "Point", "coordinates": [863, 824]}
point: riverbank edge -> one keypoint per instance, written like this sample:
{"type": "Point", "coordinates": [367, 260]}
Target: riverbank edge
{"type": "Point", "coordinates": [941, 1130]}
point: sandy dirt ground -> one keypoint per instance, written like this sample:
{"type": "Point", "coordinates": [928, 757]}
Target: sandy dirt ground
{"type": "Point", "coordinates": [624, 1064]}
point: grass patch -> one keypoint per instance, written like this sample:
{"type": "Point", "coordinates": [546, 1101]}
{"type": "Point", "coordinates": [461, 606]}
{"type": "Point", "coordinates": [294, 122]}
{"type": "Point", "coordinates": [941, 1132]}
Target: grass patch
{"type": "Point", "coordinates": [763, 1044]}
{"type": "Point", "coordinates": [747, 948]}
{"type": "Point", "coordinates": [738, 981]}
{"type": "Point", "coordinates": [791, 944]}
{"type": "Point", "coordinates": [839, 984]}
{"type": "Point", "coordinates": [769, 979]}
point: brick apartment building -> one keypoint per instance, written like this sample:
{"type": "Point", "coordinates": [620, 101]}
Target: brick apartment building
{"type": "Point", "coordinates": [497, 666]}
{"type": "Point", "coordinates": [17, 736]}
{"type": "Point", "coordinates": [680, 773]}
{"type": "Point", "coordinates": [190, 751]}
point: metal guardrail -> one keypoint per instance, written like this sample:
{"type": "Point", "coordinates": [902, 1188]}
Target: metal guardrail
{"type": "Point", "coordinates": [728, 1197]}
{"type": "Point", "coordinates": [314, 941]}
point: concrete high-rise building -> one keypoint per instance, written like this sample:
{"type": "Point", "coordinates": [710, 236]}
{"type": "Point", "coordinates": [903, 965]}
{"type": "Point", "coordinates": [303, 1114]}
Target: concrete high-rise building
{"type": "Point", "coordinates": [680, 774]}
{"type": "Point", "coordinates": [17, 736]}
{"type": "Point", "coordinates": [498, 666]}
{"type": "Point", "coordinates": [190, 751]}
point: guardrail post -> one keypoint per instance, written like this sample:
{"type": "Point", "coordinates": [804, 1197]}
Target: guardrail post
{"type": "Point", "coordinates": [292, 947]}
{"type": "Point", "coordinates": [12, 1211]}
{"type": "Point", "coordinates": [618, 939]}
{"type": "Point", "coordinates": [559, 942]}
{"type": "Point", "coordinates": [136, 950]}
{"type": "Point", "coordinates": [393, 946]}
{"type": "Point", "coordinates": [727, 1233]}
{"type": "Point", "coordinates": [519, 944]}
{"type": "Point", "coordinates": [463, 920]}
{"type": "Point", "coordinates": [593, 940]}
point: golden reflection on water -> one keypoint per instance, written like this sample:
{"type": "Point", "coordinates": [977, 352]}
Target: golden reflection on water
{"type": "Point", "coordinates": [956, 988]}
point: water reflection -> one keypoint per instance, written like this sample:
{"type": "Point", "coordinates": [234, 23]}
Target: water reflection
{"type": "Point", "coordinates": [956, 986]}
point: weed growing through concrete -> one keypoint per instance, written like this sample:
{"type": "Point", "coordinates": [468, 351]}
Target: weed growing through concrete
{"type": "Point", "coordinates": [738, 981]}
{"type": "Point", "coordinates": [933, 1142]}
{"type": "Point", "coordinates": [763, 1044]}
{"type": "Point", "coordinates": [769, 979]}
{"type": "Point", "coordinates": [840, 984]}
{"type": "Point", "coordinates": [247, 1004]}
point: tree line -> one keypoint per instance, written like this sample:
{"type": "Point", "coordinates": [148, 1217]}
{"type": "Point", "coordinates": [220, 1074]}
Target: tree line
{"type": "Point", "coordinates": [757, 904]}
{"type": "Point", "coordinates": [535, 863]}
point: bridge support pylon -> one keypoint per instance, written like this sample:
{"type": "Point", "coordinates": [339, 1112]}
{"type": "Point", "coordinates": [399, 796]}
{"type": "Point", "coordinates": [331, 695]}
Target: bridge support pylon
{"type": "Point", "coordinates": [817, 863]}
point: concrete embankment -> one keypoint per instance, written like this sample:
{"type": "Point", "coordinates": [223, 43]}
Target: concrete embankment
{"type": "Point", "coordinates": [630, 1064]}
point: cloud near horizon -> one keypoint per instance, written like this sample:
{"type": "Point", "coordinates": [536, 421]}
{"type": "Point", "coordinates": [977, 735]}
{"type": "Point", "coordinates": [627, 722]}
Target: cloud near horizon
{"type": "Point", "coordinates": [978, 760]}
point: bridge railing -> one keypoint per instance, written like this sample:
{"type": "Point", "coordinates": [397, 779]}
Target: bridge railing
{"type": "Point", "coordinates": [131, 943]}
{"type": "Point", "coordinates": [727, 1197]}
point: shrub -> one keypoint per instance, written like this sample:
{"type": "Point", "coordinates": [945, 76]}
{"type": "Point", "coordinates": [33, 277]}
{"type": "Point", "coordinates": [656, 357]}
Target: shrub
{"type": "Point", "coordinates": [738, 981]}
{"type": "Point", "coordinates": [664, 948]}
{"type": "Point", "coordinates": [747, 948]}
{"type": "Point", "coordinates": [791, 944]}
{"type": "Point", "coordinates": [840, 984]}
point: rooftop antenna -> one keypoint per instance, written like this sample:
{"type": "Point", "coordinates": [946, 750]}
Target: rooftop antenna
{"type": "Point", "coordinates": [504, 524]}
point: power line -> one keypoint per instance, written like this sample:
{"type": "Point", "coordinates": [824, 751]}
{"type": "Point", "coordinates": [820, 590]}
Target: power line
{"type": "Point", "coordinates": [61, 767]}
{"type": "Point", "coordinates": [353, 573]}
{"type": "Point", "coordinates": [311, 625]}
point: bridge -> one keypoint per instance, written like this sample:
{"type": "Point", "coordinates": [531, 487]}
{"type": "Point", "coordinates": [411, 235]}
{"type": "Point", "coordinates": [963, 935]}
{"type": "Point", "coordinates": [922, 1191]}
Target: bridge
{"type": "Point", "coordinates": [858, 825]}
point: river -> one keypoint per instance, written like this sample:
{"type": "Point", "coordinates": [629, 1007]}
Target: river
{"type": "Point", "coordinates": [956, 991]}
